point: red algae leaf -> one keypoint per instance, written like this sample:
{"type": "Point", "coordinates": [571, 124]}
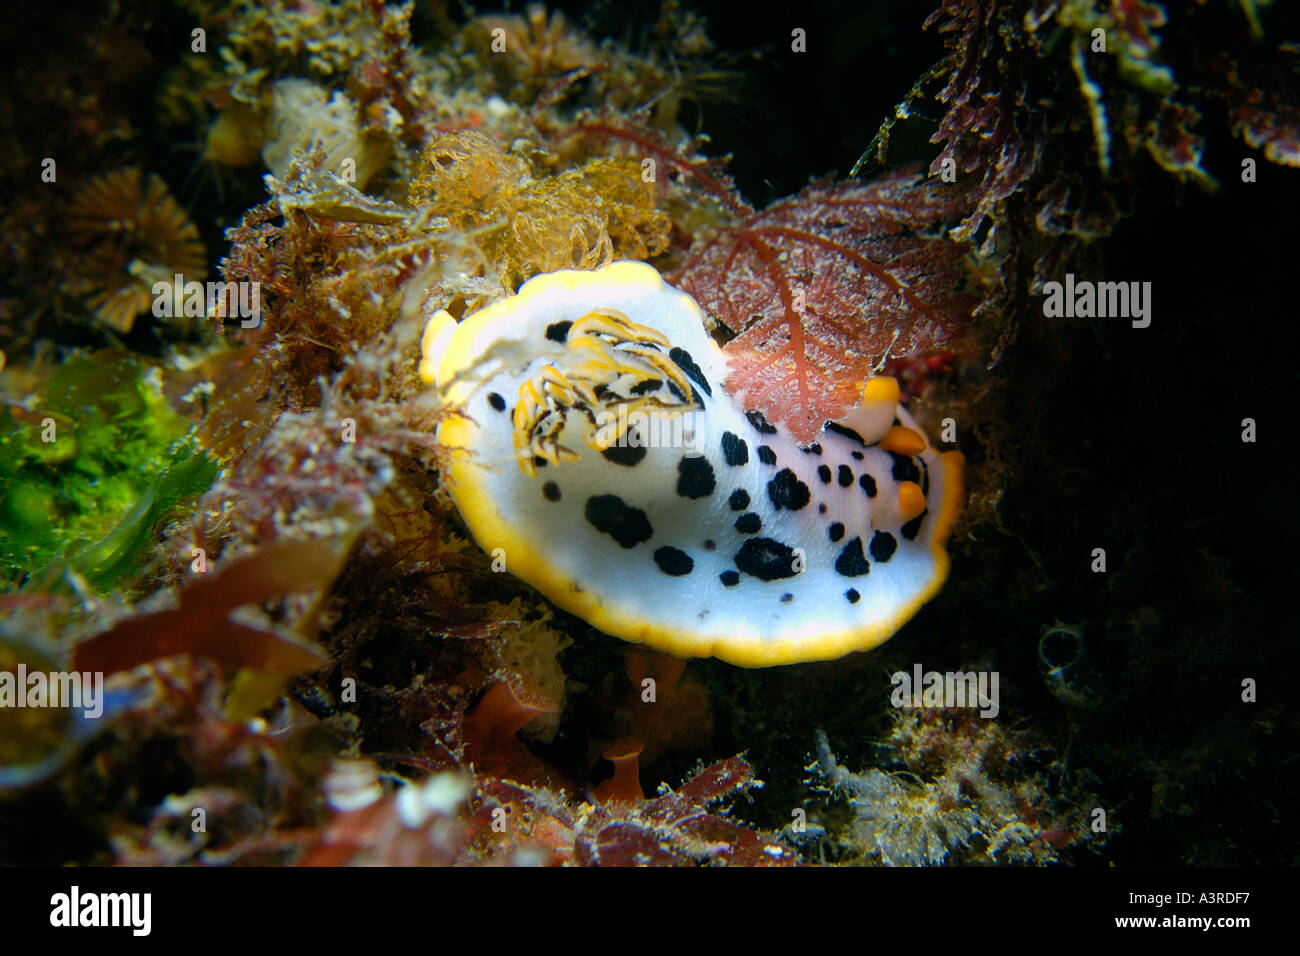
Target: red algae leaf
{"type": "Point", "coordinates": [718, 781]}
{"type": "Point", "coordinates": [204, 622]}
{"type": "Point", "coordinates": [717, 839]}
{"type": "Point", "coordinates": [676, 828]}
{"type": "Point", "coordinates": [822, 286]}
{"type": "Point", "coordinates": [626, 844]}
{"type": "Point", "coordinates": [683, 817]}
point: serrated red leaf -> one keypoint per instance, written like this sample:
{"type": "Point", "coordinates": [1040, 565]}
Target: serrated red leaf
{"type": "Point", "coordinates": [823, 286]}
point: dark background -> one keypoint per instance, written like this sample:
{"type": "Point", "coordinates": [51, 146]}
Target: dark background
{"type": "Point", "coordinates": [1121, 438]}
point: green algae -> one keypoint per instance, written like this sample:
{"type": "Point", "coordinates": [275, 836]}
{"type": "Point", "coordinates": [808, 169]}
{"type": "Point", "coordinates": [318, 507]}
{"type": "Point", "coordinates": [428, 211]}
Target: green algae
{"type": "Point", "coordinates": [89, 471]}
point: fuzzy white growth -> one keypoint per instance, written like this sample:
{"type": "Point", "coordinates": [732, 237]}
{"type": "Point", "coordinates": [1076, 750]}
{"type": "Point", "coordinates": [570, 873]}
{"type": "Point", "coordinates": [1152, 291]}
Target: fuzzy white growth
{"type": "Point", "coordinates": [303, 113]}
{"type": "Point", "coordinates": [439, 795]}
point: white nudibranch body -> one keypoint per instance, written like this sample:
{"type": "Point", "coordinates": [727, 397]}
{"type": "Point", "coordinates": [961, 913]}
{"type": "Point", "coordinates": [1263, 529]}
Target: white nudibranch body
{"type": "Point", "coordinates": [599, 449]}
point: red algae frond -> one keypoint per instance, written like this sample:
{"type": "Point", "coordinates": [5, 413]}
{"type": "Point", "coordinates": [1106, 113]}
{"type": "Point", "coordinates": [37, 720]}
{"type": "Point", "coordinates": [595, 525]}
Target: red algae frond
{"type": "Point", "coordinates": [823, 287]}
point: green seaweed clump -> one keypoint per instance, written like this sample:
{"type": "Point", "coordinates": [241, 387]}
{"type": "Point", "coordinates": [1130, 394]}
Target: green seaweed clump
{"type": "Point", "coordinates": [89, 467]}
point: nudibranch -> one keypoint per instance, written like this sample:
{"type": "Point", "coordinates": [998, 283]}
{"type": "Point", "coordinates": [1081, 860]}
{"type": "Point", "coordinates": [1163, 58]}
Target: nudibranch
{"type": "Point", "coordinates": [595, 444]}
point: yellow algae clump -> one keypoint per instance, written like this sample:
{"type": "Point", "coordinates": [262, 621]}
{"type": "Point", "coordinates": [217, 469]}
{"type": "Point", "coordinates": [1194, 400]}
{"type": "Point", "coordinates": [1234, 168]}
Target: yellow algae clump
{"type": "Point", "coordinates": [462, 175]}
{"type": "Point", "coordinates": [581, 218]}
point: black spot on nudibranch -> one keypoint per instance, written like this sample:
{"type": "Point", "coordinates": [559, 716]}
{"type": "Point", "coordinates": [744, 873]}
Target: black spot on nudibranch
{"type": "Point", "coordinates": [853, 595]}
{"type": "Point", "coordinates": [674, 562]}
{"type": "Point", "coordinates": [787, 491]}
{"type": "Point", "coordinates": [551, 490]}
{"type": "Point", "coordinates": [913, 527]}
{"type": "Point", "coordinates": [687, 365]}
{"type": "Point", "coordinates": [749, 523]}
{"type": "Point", "coordinates": [739, 500]}
{"type": "Point", "coordinates": [852, 563]}
{"type": "Point", "coordinates": [628, 455]}
{"type": "Point", "coordinates": [847, 432]}
{"type": "Point", "coordinates": [845, 476]}
{"type": "Point", "coordinates": [814, 449]}
{"type": "Point", "coordinates": [836, 531]}
{"type": "Point", "coordinates": [695, 477]}
{"type": "Point", "coordinates": [868, 485]}
{"type": "Point", "coordinates": [766, 455]}
{"type": "Point", "coordinates": [710, 544]}
{"type": "Point", "coordinates": [627, 525]}
{"type": "Point", "coordinates": [734, 450]}
{"type": "Point", "coordinates": [858, 456]}
{"type": "Point", "coordinates": [883, 546]}
{"type": "Point", "coordinates": [824, 473]}
{"type": "Point", "coordinates": [539, 461]}
{"type": "Point", "coordinates": [787, 597]}
{"type": "Point", "coordinates": [766, 559]}
{"type": "Point", "coordinates": [759, 422]}
{"type": "Point", "coordinates": [821, 508]}
{"type": "Point", "coordinates": [904, 468]}
{"type": "Point", "coordinates": [729, 579]}
{"type": "Point", "coordinates": [496, 401]}
{"type": "Point", "coordinates": [558, 331]}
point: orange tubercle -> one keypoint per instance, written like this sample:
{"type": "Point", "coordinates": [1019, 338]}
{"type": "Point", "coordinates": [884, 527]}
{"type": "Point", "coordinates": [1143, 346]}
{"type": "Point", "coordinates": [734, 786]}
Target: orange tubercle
{"type": "Point", "coordinates": [911, 500]}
